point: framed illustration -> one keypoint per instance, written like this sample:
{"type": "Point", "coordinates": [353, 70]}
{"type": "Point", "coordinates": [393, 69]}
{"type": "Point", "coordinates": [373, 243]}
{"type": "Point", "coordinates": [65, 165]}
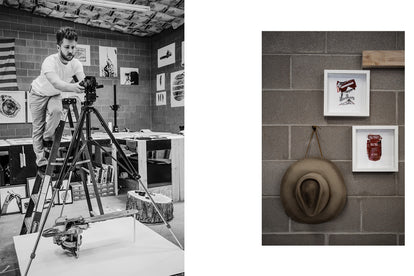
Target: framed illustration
{"type": "Point", "coordinates": [61, 197]}
{"type": "Point", "coordinates": [374, 148]}
{"type": "Point", "coordinates": [108, 62]}
{"type": "Point", "coordinates": [161, 82]}
{"type": "Point", "coordinates": [11, 198]}
{"type": "Point", "coordinates": [346, 93]}
{"type": "Point", "coordinates": [161, 98]}
{"type": "Point", "coordinates": [166, 55]}
{"type": "Point", "coordinates": [177, 88]}
{"type": "Point", "coordinates": [25, 204]}
{"type": "Point", "coordinates": [83, 54]}
{"type": "Point", "coordinates": [12, 107]}
{"type": "Point", "coordinates": [129, 76]}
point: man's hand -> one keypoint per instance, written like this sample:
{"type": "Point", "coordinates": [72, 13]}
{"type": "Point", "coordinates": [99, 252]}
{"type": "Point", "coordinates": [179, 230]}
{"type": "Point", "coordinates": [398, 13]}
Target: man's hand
{"type": "Point", "coordinates": [78, 88]}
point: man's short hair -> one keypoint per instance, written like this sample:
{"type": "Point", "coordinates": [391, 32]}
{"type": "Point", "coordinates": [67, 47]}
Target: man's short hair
{"type": "Point", "coordinates": [66, 32]}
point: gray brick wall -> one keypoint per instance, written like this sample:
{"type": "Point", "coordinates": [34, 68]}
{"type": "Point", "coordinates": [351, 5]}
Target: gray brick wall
{"type": "Point", "coordinates": [165, 117]}
{"type": "Point", "coordinates": [35, 39]}
{"type": "Point", "coordinates": [292, 101]}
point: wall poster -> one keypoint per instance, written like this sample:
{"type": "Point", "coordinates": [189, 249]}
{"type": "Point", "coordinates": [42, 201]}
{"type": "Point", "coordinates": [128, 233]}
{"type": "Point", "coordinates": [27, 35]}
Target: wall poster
{"type": "Point", "coordinates": [83, 54]}
{"type": "Point", "coordinates": [129, 76]}
{"type": "Point", "coordinates": [12, 107]}
{"type": "Point", "coordinates": [166, 55]}
{"type": "Point", "coordinates": [177, 88]}
{"type": "Point", "coordinates": [108, 63]}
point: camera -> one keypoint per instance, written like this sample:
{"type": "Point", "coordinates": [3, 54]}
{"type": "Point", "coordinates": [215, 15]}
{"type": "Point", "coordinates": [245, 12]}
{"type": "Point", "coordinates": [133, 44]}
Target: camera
{"type": "Point", "coordinates": [90, 85]}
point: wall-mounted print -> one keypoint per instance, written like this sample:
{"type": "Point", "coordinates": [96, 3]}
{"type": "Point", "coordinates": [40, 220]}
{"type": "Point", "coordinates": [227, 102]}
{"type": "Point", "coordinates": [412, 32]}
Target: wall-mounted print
{"type": "Point", "coordinates": [83, 54]}
{"type": "Point", "coordinates": [177, 88]}
{"type": "Point", "coordinates": [346, 92]}
{"type": "Point", "coordinates": [374, 148]}
{"type": "Point", "coordinates": [160, 82]}
{"type": "Point", "coordinates": [161, 98]}
{"type": "Point", "coordinates": [129, 76]}
{"type": "Point", "coordinates": [12, 107]}
{"type": "Point", "coordinates": [11, 198]}
{"type": "Point", "coordinates": [166, 55]}
{"type": "Point", "coordinates": [108, 63]}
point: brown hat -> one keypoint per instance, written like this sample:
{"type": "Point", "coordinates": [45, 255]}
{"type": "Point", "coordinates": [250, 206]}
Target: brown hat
{"type": "Point", "coordinates": [313, 191]}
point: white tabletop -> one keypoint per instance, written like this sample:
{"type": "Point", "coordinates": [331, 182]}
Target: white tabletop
{"type": "Point", "coordinates": [107, 248]}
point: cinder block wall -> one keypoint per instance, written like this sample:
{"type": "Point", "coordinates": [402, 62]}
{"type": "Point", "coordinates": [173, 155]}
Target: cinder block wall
{"type": "Point", "coordinates": [292, 101]}
{"type": "Point", "coordinates": [165, 117]}
{"type": "Point", "coordinates": [35, 39]}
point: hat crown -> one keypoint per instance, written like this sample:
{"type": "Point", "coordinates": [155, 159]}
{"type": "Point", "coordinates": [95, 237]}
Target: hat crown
{"type": "Point", "coordinates": [312, 194]}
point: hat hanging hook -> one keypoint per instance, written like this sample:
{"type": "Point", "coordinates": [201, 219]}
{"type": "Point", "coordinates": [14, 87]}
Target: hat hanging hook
{"type": "Point", "coordinates": [314, 131]}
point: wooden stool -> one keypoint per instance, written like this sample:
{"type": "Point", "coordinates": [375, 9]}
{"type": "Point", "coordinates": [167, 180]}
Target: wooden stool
{"type": "Point", "coordinates": [140, 201]}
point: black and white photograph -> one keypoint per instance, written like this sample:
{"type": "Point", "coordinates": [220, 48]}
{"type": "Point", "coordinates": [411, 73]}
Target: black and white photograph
{"type": "Point", "coordinates": [79, 113]}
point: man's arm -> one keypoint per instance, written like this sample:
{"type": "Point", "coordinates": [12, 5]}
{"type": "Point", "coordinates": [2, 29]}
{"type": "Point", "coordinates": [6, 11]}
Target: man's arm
{"type": "Point", "coordinates": [63, 86]}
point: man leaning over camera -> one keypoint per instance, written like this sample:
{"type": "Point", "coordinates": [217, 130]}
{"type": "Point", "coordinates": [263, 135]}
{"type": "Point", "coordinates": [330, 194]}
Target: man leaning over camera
{"type": "Point", "coordinates": [45, 94]}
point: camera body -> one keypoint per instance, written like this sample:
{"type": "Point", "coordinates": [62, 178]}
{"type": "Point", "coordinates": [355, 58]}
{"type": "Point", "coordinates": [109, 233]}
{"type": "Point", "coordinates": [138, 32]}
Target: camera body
{"type": "Point", "coordinates": [90, 85]}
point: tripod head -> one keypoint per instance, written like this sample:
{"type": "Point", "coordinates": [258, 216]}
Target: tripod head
{"type": "Point", "coordinates": [90, 85]}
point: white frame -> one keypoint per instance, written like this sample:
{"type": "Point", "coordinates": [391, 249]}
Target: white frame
{"type": "Point", "coordinates": [364, 164]}
{"type": "Point", "coordinates": [177, 88]}
{"type": "Point", "coordinates": [162, 58]}
{"type": "Point", "coordinates": [85, 60]}
{"type": "Point", "coordinates": [330, 110]}
{"type": "Point", "coordinates": [20, 98]}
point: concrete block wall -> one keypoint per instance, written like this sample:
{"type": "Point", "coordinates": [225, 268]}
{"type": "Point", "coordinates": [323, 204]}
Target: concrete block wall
{"type": "Point", "coordinates": [293, 66]}
{"type": "Point", "coordinates": [165, 117]}
{"type": "Point", "coordinates": [35, 39]}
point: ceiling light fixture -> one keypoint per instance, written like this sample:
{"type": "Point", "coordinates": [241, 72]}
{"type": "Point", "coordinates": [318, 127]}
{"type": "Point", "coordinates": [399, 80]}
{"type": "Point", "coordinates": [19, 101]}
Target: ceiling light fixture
{"type": "Point", "coordinates": [112, 5]}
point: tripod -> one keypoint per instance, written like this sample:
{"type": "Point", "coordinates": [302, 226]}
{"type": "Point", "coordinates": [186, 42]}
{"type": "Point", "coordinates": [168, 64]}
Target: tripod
{"type": "Point", "coordinates": [80, 145]}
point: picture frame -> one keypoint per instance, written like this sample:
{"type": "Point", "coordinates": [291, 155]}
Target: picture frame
{"type": "Point", "coordinates": [161, 82]}
{"type": "Point", "coordinates": [108, 62]}
{"type": "Point", "coordinates": [12, 107]}
{"type": "Point", "coordinates": [161, 98]}
{"type": "Point", "coordinates": [25, 204]}
{"type": "Point", "coordinates": [10, 198]}
{"type": "Point", "coordinates": [375, 148]}
{"type": "Point", "coordinates": [128, 76]}
{"type": "Point", "coordinates": [177, 88]}
{"type": "Point", "coordinates": [83, 54]}
{"type": "Point", "coordinates": [346, 93]}
{"type": "Point", "coordinates": [166, 55]}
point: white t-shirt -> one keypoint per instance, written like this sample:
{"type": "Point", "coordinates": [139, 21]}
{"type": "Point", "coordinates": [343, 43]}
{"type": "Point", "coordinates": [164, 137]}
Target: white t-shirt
{"type": "Point", "coordinates": [52, 63]}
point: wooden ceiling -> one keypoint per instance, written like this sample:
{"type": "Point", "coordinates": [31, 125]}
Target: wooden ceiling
{"type": "Point", "coordinates": [162, 15]}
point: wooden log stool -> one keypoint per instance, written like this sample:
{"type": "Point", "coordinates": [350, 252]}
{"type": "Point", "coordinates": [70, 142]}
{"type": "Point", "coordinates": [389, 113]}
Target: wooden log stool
{"type": "Point", "coordinates": [140, 201]}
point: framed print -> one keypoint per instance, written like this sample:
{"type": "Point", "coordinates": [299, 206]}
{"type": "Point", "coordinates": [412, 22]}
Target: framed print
{"type": "Point", "coordinates": [12, 107]}
{"type": "Point", "coordinates": [83, 54]}
{"type": "Point", "coordinates": [161, 82]}
{"type": "Point", "coordinates": [25, 204]}
{"type": "Point", "coordinates": [69, 199]}
{"type": "Point", "coordinates": [161, 98]}
{"type": "Point", "coordinates": [108, 62]}
{"type": "Point", "coordinates": [346, 93]}
{"type": "Point", "coordinates": [177, 88]}
{"type": "Point", "coordinates": [374, 148]}
{"type": "Point", "coordinates": [129, 76]}
{"type": "Point", "coordinates": [11, 198]}
{"type": "Point", "coordinates": [166, 55]}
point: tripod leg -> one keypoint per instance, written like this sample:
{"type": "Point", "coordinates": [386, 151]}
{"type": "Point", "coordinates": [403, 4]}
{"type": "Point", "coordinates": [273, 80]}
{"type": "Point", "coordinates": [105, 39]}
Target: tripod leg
{"type": "Point", "coordinates": [135, 174]}
{"type": "Point", "coordinates": [88, 155]}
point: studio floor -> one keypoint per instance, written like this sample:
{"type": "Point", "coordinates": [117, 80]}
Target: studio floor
{"type": "Point", "coordinates": [10, 226]}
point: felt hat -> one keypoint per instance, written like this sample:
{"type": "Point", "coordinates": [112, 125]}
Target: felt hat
{"type": "Point", "coordinates": [313, 191]}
